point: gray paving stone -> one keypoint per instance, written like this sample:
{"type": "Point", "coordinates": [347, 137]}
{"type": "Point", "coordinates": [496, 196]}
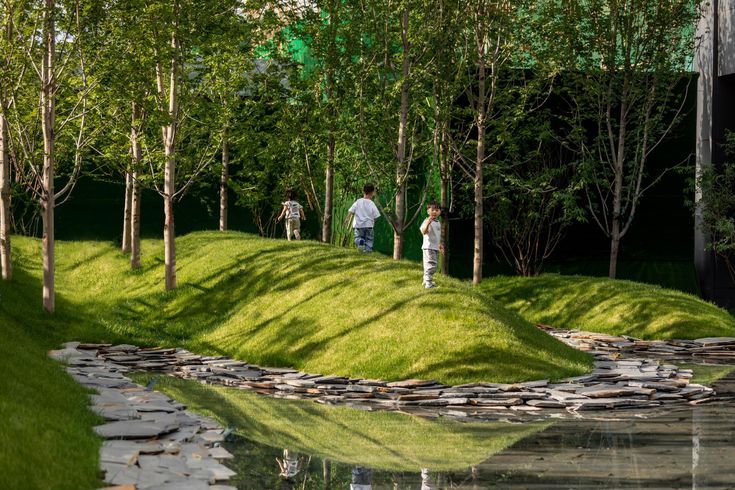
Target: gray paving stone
{"type": "Point", "coordinates": [134, 429]}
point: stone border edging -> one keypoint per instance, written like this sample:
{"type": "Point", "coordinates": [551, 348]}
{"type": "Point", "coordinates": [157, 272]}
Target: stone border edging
{"type": "Point", "coordinates": [614, 383]}
{"type": "Point", "coordinates": [151, 441]}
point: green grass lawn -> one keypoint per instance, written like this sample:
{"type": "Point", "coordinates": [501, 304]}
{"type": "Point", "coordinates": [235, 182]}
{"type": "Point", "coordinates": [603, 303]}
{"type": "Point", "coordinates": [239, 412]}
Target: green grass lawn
{"type": "Point", "coordinates": [45, 422]}
{"type": "Point", "coordinates": [610, 306]}
{"type": "Point", "coordinates": [314, 307]}
{"type": "Point", "coordinates": [311, 306]}
{"type": "Point", "coordinates": [381, 440]}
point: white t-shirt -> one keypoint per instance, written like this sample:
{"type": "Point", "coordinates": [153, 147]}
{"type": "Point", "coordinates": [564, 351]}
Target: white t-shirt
{"type": "Point", "coordinates": [433, 238]}
{"type": "Point", "coordinates": [293, 209]}
{"type": "Point", "coordinates": [365, 212]}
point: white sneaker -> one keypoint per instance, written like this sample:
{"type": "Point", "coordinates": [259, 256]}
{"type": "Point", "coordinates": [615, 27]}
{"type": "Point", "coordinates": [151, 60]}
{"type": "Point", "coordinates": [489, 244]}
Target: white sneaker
{"type": "Point", "coordinates": [430, 286]}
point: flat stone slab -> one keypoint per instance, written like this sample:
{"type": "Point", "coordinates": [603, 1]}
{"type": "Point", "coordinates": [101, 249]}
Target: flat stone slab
{"type": "Point", "coordinates": [134, 429]}
{"type": "Point", "coordinates": [707, 341]}
{"type": "Point", "coordinates": [411, 383]}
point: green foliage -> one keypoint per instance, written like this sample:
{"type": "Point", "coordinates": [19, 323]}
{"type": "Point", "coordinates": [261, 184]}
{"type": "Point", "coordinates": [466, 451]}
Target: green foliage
{"type": "Point", "coordinates": [627, 64]}
{"type": "Point", "coordinates": [608, 306]}
{"type": "Point", "coordinates": [533, 193]}
{"type": "Point", "coordinates": [716, 188]}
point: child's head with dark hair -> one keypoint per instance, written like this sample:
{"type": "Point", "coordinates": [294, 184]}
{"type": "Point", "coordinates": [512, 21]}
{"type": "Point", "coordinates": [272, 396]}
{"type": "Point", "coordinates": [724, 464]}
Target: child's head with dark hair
{"type": "Point", "coordinates": [433, 209]}
{"type": "Point", "coordinates": [291, 194]}
{"type": "Point", "coordinates": [368, 189]}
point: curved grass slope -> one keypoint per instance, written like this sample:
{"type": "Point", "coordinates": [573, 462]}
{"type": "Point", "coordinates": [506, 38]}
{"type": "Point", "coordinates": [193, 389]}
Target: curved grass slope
{"type": "Point", "coordinates": [314, 307]}
{"type": "Point", "coordinates": [45, 422]}
{"type": "Point", "coordinates": [610, 306]}
{"type": "Point", "coordinates": [381, 440]}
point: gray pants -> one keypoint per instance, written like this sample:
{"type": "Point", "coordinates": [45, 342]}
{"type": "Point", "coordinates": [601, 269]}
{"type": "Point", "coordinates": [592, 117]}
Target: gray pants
{"type": "Point", "coordinates": [431, 260]}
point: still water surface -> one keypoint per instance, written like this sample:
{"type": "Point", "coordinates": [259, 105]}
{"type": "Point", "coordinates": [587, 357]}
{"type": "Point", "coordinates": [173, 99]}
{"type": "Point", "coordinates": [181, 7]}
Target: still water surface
{"type": "Point", "coordinates": [284, 444]}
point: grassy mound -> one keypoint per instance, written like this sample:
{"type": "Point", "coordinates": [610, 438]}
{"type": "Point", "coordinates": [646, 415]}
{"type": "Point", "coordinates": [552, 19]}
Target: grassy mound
{"type": "Point", "coordinates": [610, 306]}
{"type": "Point", "coordinates": [314, 307]}
{"type": "Point", "coordinates": [307, 305]}
{"type": "Point", "coordinates": [386, 441]}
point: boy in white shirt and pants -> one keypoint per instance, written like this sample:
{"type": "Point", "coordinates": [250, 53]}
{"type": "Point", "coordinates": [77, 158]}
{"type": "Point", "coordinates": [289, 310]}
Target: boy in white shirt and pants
{"type": "Point", "coordinates": [432, 231]}
{"type": "Point", "coordinates": [365, 213]}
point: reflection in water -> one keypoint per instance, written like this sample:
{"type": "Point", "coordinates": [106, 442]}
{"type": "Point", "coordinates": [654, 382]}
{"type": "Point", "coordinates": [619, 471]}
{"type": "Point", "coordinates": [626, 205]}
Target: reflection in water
{"type": "Point", "coordinates": [362, 478]}
{"type": "Point", "coordinates": [690, 447]}
{"type": "Point", "coordinates": [290, 466]}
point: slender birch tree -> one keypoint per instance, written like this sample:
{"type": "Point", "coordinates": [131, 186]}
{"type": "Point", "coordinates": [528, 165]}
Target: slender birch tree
{"type": "Point", "coordinates": [11, 74]}
{"type": "Point", "coordinates": [628, 65]}
{"type": "Point", "coordinates": [61, 74]}
{"type": "Point", "coordinates": [489, 44]}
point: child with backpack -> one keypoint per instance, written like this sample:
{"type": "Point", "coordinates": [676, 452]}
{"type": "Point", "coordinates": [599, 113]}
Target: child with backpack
{"type": "Point", "coordinates": [294, 214]}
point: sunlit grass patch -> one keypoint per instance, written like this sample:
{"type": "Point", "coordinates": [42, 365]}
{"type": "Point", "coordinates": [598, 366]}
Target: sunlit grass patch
{"type": "Point", "coordinates": [610, 306]}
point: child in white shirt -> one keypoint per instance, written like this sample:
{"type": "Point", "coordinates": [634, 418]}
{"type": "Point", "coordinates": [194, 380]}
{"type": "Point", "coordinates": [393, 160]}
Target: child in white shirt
{"type": "Point", "coordinates": [365, 212]}
{"type": "Point", "coordinates": [432, 231]}
{"type": "Point", "coordinates": [294, 214]}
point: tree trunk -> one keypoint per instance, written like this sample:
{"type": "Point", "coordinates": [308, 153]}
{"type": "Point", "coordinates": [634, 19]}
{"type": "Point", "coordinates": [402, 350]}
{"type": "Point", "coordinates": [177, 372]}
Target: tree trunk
{"type": "Point", "coordinates": [136, 193]}
{"type": "Point", "coordinates": [135, 223]}
{"type": "Point", "coordinates": [169, 178]}
{"type": "Point", "coordinates": [479, 162]}
{"type": "Point", "coordinates": [48, 116]}
{"type": "Point", "coordinates": [328, 217]}
{"type": "Point", "coordinates": [327, 473]}
{"type": "Point", "coordinates": [6, 263]}
{"type": "Point", "coordinates": [169, 235]}
{"type": "Point", "coordinates": [615, 233]}
{"type": "Point", "coordinates": [5, 259]}
{"type": "Point", "coordinates": [328, 192]}
{"type": "Point", "coordinates": [401, 170]}
{"type": "Point", "coordinates": [444, 171]}
{"type": "Point", "coordinates": [223, 182]}
{"type": "Point", "coordinates": [614, 247]}
{"type": "Point", "coordinates": [126, 217]}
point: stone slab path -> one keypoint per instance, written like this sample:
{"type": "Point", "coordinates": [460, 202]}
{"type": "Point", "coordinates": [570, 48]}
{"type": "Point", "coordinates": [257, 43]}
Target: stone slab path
{"type": "Point", "coordinates": [151, 441]}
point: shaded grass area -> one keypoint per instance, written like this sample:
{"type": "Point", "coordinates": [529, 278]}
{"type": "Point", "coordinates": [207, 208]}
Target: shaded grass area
{"type": "Point", "coordinates": [45, 424]}
{"type": "Point", "coordinates": [610, 306]}
{"type": "Point", "coordinates": [311, 306]}
{"type": "Point", "coordinates": [382, 440]}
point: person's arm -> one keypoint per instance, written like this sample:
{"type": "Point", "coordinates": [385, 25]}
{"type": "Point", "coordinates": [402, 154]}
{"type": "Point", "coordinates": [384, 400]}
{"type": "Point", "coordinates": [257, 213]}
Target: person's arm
{"type": "Point", "coordinates": [376, 211]}
{"type": "Point", "coordinates": [283, 211]}
{"type": "Point", "coordinates": [425, 225]}
{"type": "Point", "coordinates": [301, 212]}
{"type": "Point", "coordinates": [348, 219]}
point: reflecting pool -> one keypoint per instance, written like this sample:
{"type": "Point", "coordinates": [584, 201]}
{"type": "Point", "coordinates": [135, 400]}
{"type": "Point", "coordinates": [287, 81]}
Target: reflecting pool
{"type": "Point", "coordinates": [300, 444]}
